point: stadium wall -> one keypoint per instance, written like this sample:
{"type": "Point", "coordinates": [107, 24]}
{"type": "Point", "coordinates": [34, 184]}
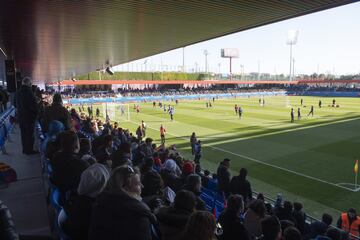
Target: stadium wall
{"type": "Point", "coordinates": [94, 100]}
{"type": "Point", "coordinates": [325, 94]}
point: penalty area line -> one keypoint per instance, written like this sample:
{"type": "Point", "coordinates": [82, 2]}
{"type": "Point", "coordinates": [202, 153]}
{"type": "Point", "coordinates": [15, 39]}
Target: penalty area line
{"type": "Point", "coordinates": [263, 163]}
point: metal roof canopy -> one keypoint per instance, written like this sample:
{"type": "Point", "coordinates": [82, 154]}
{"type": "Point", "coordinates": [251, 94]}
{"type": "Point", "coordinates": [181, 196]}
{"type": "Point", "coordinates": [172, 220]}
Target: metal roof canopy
{"type": "Point", "coordinates": [54, 40]}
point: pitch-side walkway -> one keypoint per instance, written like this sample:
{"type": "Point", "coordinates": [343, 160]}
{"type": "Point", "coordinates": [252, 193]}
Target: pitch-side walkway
{"type": "Point", "coordinates": [25, 198]}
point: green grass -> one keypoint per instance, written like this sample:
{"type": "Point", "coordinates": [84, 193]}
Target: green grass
{"type": "Point", "coordinates": [302, 160]}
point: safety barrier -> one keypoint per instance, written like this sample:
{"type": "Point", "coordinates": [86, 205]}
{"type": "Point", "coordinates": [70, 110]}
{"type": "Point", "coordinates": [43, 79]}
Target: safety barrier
{"type": "Point", "coordinates": [6, 126]}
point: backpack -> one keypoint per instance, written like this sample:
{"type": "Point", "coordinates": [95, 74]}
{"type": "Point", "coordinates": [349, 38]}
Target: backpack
{"type": "Point", "coordinates": [7, 174]}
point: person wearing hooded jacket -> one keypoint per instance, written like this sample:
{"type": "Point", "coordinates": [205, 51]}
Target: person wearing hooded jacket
{"type": "Point", "coordinates": [119, 212]}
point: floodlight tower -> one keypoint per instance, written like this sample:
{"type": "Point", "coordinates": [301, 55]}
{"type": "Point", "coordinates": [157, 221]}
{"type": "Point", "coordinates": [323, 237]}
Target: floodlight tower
{"type": "Point", "coordinates": [292, 40]}
{"type": "Point", "coordinates": [206, 53]}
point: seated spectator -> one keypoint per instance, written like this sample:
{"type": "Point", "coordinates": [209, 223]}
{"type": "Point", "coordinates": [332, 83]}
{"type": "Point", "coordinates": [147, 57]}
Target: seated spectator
{"type": "Point", "coordinates": [240, 185]}
{"type": "Point", "coordinates": [147, 148]}
{"type": "Point", "coordinates": [169, 177]}
{"type": "Point", "coordinates": [78, 210]}
{"type": "Point", "coordinates": [299, 217]}
{"type": "Point", "coordinates": [253, 217]}
{"type": "Point", "coordinates": [75, 120]}
{"type": "Point", "coordinates": [320, 228]}
{"type": "Point", "coordinates": [66, 164]}
{"type": "Point", "coordinates": [172, 220]}
{"type": "Point", "coordinates": [201, 226]}
{"type": "Point", "coordinates": [292, 233]}
{"type": "Point", "coordinates": [230, 219]}
{"type": "Point", "coordinates": [171, 166]}
{"type": "Point", "coordinates": [55, 127]}
{"type": "Point", "coordinates": [205, 178]}
{"type": "Point", "coordinates": [187, 169]}
{"type": "Point", "coordinates": [121, 156]}
{"type": "Point", "coordinates": [103, 152]}
{"type": "Point", "coordinates": [193, 184]}
{"type": "Point", "coordinates": [270, 229]}
{"type": "Point", "coordinates": [119, 212]}
{"type": "Point", "coordinates": [286, 212]}
{"type": "Point", "coordinates": [268, 206]}
{"type": "Point", "coordinates": [56, 111]}
{"type": "Point", "coordinates": [333, 233]}
{"type": "Point", "coordinates": [223, 176]}
{"type": "Point", "coordinates": [85, 151]}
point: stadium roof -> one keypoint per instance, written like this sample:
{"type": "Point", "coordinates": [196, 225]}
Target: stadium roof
{"type": "Point", "coordinates": [54, 40]}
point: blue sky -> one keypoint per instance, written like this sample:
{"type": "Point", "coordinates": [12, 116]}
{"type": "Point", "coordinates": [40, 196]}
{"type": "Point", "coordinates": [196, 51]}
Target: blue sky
{"type": "Point", "coordinates": [328, 41]}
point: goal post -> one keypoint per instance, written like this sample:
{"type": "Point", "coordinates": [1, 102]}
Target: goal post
{"type": "Point", "coordinates": [116, 112]}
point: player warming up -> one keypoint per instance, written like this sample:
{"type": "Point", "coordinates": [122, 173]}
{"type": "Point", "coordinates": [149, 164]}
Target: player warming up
{"type": "Point", "coordinates": [292, 115]}
{"type": "Point", "coordinates": [320, 103]}
{"type": "Point", "coordinates": [171, 112]}
{"type": "Point", "coordinates": [298, 114]}
{"type": "Point", "coordinates": [240, 112]}
{"type": "Point", "coordinates": [236, 109]}
{"type": "Point", "coordinates": [311, 111]}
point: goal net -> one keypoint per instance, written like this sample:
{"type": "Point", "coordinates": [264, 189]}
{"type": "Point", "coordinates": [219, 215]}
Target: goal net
{"type": "Point", "coordinates": [116, 112]}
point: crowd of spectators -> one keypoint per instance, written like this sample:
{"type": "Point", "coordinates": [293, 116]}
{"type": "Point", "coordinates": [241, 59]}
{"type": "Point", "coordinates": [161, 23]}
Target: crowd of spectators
{"type": "Point", "coordinates": [115, 185]}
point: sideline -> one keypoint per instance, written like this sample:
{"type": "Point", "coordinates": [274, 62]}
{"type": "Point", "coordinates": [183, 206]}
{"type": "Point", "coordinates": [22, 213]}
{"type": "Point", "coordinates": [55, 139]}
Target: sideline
{"type": "Point", "coordinates": [339, 185]}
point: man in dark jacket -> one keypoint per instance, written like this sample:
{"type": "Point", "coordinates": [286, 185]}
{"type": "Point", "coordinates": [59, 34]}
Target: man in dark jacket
{"type": "Point", "coordinates": [119, 212]}
{"type": "Point", "coordinates": [239, 185]}
{"type": "Point", "coordinates": [320, 228]}
{"type": "Point", "coordinates": [172, 220]}
{"type": "Point", "coordinates": [223, 175]}
{"type": "Point", "coordinates": [27, 113]}
{"type": "Point", "coordinates": [66, 164]}
{"type": "Point", "coordinates": [230, 220]}
{"type": "Point", "coordinates": [57, 112]}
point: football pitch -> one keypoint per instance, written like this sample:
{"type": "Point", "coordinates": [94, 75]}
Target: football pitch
{"type": "Point", "coordinates": [310, 160]}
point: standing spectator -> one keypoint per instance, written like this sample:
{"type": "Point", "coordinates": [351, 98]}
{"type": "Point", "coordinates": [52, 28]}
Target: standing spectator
{"type": "Point", "coordinates": [27, 113]}
{"type": "Point", "coordinates": [240, 185]}
{"type": "Point", "coordinates": [57, 112]}
{"type": "Point", "coordinates": [139, 133]}
{"type": "Point", "coordinates": [253, 217]}
{"type": "Point", "coordinates": [223, 175]}
{"type": "Point", "coordinates": [172, 220]}
{"type": "Point", "coordinates": [119, 212]}
{"type": "Point", "coordinates": [230, 219]}
{"type": "Point", "coordinates": [201, 226]}
{"type": "Point", "coordinates": [349, 222]}
{"type": "Point", "coordinates": [193, 141]}
{"type": "Point", "coordinates": [197, 152]}
{"type": "Point", "coordinates": [4, 98]}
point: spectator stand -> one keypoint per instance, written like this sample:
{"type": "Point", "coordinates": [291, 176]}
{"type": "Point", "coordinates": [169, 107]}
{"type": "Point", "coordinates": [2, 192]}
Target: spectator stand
{"type": "Point", "coordinates": [6, 126]}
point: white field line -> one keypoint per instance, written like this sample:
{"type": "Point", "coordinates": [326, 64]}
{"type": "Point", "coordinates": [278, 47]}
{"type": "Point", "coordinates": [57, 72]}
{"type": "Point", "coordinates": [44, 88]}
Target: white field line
{"type": "Point", "coordinates": [264, 163]}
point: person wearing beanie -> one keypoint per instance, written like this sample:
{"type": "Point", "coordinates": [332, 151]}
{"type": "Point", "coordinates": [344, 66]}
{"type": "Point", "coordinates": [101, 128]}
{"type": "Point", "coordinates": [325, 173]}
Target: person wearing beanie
{"type": "Point", "coordinates": [187, 169]}
{"type": "Point", "coordinates": [79, 208]}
